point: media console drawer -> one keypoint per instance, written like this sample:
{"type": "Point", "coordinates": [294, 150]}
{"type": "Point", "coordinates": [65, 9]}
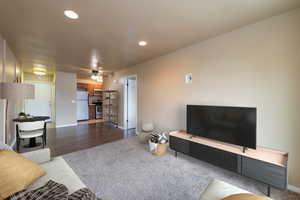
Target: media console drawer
{"type": "Point", "coordinates": [205, 153]}
{"type": "Point", "coordinates": [179, 144]}
{"type": "Point", "coordinates": [215, 156]}
{"type": "Point", "coordinates": [268, 173]}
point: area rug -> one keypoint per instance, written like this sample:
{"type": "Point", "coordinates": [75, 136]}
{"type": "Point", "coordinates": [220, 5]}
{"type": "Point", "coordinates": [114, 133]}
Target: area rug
{"type": "Point", "coordinates": [126, 170]}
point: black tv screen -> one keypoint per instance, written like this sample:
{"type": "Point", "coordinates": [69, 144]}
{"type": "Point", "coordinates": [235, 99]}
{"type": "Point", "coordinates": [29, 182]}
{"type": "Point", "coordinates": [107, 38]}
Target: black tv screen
{"type": "Point", "coordinates": [235, 125]}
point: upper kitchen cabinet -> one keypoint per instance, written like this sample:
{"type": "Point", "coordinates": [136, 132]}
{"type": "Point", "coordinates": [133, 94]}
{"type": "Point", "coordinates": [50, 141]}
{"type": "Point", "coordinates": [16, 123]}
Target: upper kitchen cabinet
{"type": "Point", "coordinates": [89, 87]}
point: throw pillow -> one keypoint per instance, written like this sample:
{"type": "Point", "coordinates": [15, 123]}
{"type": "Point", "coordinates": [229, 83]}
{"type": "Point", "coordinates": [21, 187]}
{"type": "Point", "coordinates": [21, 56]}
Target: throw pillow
{"type": "Point", "coordinates": [147, 127]}
{"type": "Point", "coordinates": [16, 173]}
{"type": "Point", "coordinates": [53, 191]}
{"type": "Point", "coordinates": [246, 197]}
{"type": "Point", "coordinates": [83, 194]}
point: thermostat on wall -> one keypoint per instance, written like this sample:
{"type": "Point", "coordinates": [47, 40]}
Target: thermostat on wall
{"type": "Point", "coordinates": [188, 78]}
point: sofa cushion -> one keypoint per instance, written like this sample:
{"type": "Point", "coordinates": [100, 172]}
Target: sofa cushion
{"type": "Point", "coordinates": [16, 172]}
{"type": "Point", "coordinates": [218, 190]}
{"type": "Point", "coordinates": [59, 171]}
{"type": "Point", "coordinates": [38, 156]}
{"type": "Point", "coordinates": [246, 197]}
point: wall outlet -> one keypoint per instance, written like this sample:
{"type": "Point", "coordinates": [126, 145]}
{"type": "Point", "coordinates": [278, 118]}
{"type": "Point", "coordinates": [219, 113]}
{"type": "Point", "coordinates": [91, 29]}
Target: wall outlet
{"type": "Point", "coordinates": [188, 78]}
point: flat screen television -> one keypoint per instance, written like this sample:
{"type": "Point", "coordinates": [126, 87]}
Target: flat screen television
{"type": "Point", "coordinates": [235, 125]}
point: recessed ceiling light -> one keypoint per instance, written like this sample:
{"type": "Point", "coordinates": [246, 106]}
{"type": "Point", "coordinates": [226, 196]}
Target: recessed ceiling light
{"type": "Point", "coordinates": [39, 71]}
{"type": "Point", "coordinates": [71, 14]}
{"type": "Point", "coordinates": [142, 43]}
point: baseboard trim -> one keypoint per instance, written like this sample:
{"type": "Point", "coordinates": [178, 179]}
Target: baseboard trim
{"type": "Point", "coordinates": [293, 188]}
{"type": "Point", "coordinates": [121, 127]}
{"type": "Point", "coordinates": [66, 125]}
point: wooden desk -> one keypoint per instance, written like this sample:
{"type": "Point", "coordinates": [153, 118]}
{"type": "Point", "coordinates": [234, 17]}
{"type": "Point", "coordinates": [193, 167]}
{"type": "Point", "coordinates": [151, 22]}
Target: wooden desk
{"type": "Point", "coordinates": [32, 141]}
{"type": "Point", "coordinates": [31, 119]}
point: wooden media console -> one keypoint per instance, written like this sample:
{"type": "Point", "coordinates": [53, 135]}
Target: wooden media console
{"type": "Point", "coordinates": [262, 164]}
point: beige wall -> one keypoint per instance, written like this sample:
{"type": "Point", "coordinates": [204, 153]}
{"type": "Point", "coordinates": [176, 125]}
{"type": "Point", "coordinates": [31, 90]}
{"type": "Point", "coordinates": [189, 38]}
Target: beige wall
{"type": "Point", "coordinates": [257, 65]}
{"type": "Point", "coordinates": [65, 99]}
{"type": "Point", "coordinates": [14, 108]}
{"type": "Point", "coordinates": [32, 77]}
{"type": "Point", "coordinates": [2, 102]}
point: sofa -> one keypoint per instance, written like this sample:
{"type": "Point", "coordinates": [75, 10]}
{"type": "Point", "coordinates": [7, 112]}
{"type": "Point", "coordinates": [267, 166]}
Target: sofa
{"type": "Point", "coordinates": [57, 170]}
{"type": "Point", "coordinates": [218, 190]}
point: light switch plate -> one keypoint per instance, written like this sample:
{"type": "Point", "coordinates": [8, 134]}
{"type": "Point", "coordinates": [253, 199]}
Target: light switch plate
{"type": "Point", "coordinates": [188, 78]}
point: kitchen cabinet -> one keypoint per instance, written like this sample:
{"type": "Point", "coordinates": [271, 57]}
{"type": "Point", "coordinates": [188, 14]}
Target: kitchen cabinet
{"type": "Point", "coordinates": [97, 86]}
{"type": "Point", "coordinates": [89, 87]}
{"type": "Point", "coordinates": [92, 111]}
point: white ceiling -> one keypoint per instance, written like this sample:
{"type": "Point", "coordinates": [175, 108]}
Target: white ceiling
{"type": "Point", "coordinates": [38, 32]}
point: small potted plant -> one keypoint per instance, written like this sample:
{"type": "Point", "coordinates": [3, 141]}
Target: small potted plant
{"type": "Point", "coordinates": [22, 115]}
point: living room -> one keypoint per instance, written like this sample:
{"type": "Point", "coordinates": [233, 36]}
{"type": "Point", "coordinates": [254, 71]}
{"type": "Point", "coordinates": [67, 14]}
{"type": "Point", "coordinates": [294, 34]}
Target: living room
{"type": "Point", "coordinates": [223, 54]}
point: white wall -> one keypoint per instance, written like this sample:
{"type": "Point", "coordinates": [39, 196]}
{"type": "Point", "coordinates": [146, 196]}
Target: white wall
{"type": "Point", "coordinates": [257, 65]}
{"type": "Point", "coordinates": [65, 99]}
{"type": "Point", "coordinates": [8, 75]}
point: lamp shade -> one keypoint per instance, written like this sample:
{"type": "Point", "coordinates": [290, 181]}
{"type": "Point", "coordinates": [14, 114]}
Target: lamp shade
{"type": "Point", "coordinates": [16, 91]}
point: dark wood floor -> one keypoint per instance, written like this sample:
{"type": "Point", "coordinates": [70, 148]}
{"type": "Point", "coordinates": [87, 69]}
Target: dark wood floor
{"type": "Point", "coordinates": [70, 139]}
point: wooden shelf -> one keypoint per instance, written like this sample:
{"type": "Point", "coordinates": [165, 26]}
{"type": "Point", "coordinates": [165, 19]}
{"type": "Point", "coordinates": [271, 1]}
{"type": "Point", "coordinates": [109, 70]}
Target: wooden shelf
{"type": "Point", "coordinates": [263, 154]}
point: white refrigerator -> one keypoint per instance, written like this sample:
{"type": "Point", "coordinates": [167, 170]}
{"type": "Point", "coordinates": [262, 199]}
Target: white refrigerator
{"type": "Point", "coordinates": [82, 105]}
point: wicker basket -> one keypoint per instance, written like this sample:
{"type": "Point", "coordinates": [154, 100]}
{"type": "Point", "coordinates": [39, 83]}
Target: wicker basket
{"type": "Point", "coordinates": [158, 149]}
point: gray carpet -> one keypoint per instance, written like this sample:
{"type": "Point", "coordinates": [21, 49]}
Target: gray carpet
{"type": "Point", "coordinates": [126, 170]}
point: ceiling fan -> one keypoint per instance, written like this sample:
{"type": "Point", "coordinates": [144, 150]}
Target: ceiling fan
{"type": "Point", "coordinates": [97, 75]}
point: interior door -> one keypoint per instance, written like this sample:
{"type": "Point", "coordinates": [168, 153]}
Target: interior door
{"type": "Point", "coordinates": [131, 103]}
{"type": "Point", "coordinates": [41, 105]}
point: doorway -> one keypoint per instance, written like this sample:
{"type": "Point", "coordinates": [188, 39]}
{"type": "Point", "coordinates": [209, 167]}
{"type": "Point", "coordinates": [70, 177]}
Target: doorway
{"type": "Point", "coordinates": [42, 104]}
{"type": "Point", "coordinates": [130, 102]}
